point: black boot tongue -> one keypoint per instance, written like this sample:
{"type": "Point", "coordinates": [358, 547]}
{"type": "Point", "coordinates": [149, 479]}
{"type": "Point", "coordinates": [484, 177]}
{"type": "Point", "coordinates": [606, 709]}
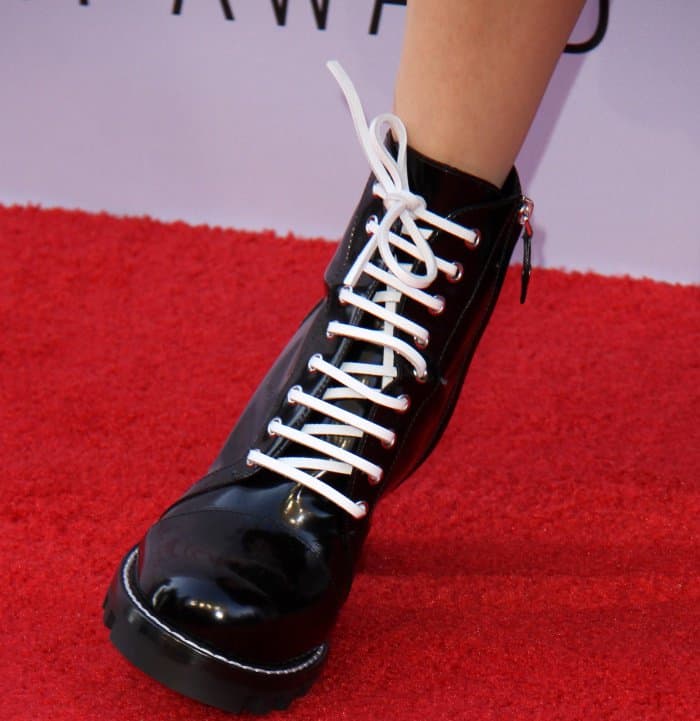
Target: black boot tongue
{"type": "Point", "coordinates": [444, 188]}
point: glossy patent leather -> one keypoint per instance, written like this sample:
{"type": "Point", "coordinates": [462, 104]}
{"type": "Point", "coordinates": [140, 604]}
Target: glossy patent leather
{"type": "Point", "coordinates": [255, 567]}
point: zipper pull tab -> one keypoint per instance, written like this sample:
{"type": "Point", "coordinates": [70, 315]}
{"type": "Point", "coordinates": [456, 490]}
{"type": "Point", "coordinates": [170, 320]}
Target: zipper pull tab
{"type": "Point", "coordinates": [524, 215]}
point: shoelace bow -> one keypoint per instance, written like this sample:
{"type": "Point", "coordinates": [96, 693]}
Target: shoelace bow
{"type": "Point", "coordinates": [397, 279]}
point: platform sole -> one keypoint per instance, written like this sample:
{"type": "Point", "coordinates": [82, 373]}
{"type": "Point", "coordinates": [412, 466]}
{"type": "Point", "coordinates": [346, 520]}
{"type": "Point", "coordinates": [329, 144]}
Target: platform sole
{"type": "Point", "coordinates": [185, 666]}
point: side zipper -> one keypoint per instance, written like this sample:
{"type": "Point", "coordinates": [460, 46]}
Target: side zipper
{"type": "Point", "coordinates": [524, 215]}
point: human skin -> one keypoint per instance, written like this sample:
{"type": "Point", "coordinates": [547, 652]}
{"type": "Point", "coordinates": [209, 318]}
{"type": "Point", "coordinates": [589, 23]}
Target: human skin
{"type": "Point", "coordinates": [472, 74]}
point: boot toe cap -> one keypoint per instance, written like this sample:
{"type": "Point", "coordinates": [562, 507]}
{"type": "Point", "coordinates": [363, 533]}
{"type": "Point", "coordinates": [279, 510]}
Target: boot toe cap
{"type": "Point", "coordinates": [239, 585]}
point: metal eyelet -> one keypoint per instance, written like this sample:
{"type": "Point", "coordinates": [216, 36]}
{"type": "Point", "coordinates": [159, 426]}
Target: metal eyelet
{"type": "Point", "coordinates": [297, 388]}
{"type": "Point", "coordinates": [364, 506]}
{"type": "Point", "coordinates": [270, 432]}
{"type": "Point", "coordinates": [340, 290]}
{"type": "Point", "coordinates": [372, 219]}
{"type": "Point", "coordinates": [438, 311]}
{"type": "Point", "coordinates": [248, 462]}
{"type": "Point", "coordinates": [407, 400]}
{"type": "Point", "coordinates": [330, 334]}
{"type": "Point", "coordinates": [389, 444]}
{"type": "Point", "coordinates": [420, 343]}
{"type": "Point", "coordinates": [458, 273]}
{"type": "Point", "coordinates": [477, 239]}
{"type": "Point", "coordinates": [309, 367]}
{"type": "Point", "coordinates": [375, 480]}
{"type": "Point", "coordinates": [422, 378]}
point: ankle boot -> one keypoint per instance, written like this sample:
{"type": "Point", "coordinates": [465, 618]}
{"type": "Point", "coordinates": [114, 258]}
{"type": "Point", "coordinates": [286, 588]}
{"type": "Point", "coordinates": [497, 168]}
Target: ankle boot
{"type": "Point", "coordinates": [231, 596]}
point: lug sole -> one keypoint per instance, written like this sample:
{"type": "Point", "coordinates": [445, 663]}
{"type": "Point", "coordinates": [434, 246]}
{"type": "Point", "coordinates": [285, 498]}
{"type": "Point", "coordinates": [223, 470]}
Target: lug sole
{"type": "Point", "coordinates": [185, 666]}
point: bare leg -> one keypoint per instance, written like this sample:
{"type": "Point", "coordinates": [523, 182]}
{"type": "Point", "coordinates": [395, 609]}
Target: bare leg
{"type": "Point", "coordinates": [472, 74]}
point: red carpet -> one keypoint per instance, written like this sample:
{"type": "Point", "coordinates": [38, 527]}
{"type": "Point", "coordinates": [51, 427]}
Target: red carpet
{"type": "Point", "coordinates": [545, 564]}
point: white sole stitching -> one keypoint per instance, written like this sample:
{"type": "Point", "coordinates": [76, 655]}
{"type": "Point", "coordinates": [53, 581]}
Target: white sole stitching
{"type": "Point", "coordinates": [318, 653]}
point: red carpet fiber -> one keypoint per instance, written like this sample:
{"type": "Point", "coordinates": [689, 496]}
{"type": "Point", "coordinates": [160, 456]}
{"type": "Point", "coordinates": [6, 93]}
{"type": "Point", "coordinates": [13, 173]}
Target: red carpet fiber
{"type": "Point", "coordinates": [543, 565]}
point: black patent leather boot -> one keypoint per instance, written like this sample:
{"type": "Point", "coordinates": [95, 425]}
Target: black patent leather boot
{"type": "Point", "coordinates": [231, 596]}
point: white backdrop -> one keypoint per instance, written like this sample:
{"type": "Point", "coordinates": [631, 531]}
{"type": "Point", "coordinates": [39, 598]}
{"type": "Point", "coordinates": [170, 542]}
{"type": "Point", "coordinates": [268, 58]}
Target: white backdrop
{"type": "Point", "coordinates": [124, 106]}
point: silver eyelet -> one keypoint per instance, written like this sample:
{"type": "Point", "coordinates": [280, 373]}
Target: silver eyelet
{"type": "Point", "coordinates": [406, 398]}
{"type": "Point", "coordinates": [330, 334]}
{"type": "Point", "coordinates": [439, 310]}
{"type": "Point", "coordinates": [420, 343]}
{"type": "Point", "coordinates": [477, 239]}
{"type": "Point", "coordinates": [248, 462]}
{"type": "Point", "coordinates": [309, 367]}
{"type": "Point", "coordinates": [364, 506]}
{"type": "Point", "coordinates": [458, 274]}
{"type": "Point", "coordinates": [389, 444]}
{"type": "Point", "coordinates": [375, 480]}
{"type": "Point", "coordinates": [422, 378]}
{"type": "Point", "coordinates": [293, 388]}
{"type": "Point", "coordinates": [340, 290]}
{"type": "Point", "coordinates": [270, 432]}
{"type": "Point", "coordinates": [372, 219]}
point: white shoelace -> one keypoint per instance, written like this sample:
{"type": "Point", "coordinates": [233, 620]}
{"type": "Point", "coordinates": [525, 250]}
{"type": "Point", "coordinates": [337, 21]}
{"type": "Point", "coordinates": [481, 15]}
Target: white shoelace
{"type": "Point", "coordinates": [396, 280]}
